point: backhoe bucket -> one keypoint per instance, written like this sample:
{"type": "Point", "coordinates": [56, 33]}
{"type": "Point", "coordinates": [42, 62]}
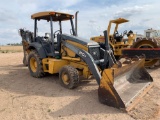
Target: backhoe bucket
{"type": "Point", "coordinates": [119, 87]}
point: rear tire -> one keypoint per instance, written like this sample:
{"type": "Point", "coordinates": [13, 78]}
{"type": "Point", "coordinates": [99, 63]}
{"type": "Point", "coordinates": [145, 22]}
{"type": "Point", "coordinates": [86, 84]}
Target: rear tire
{"type": "Point", "coordinates": [25, 61]}
{"type": "Point", "coordinates": [69, 77]}
{"type": "Point", "coordinates": [35, 64]}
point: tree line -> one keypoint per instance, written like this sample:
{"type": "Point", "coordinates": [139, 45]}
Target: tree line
{"type": "Point", "coordinates": [15, 44]}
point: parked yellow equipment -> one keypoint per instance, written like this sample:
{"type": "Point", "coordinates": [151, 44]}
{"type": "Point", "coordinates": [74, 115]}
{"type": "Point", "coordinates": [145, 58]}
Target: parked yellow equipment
{"type": "Point", "coordinates": [116, 40]}
{"type": "Point", "coordinates": [149, 45]}
{"type": "Point", "coordinates": [119, 83]}
{"type": "Point", "coordinates": [132, 45]}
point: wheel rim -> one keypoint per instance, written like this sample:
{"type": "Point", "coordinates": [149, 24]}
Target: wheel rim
{"type": "Point", "coordinates": [148, 62]}
{"type": "Point", "coordinates": [65, 78]}
{"type": "Point", "coordinates": [33, 64]}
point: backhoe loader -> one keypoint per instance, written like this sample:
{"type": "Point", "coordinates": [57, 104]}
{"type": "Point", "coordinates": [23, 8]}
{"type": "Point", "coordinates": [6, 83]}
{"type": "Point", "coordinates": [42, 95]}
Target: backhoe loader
{"type": "Point", "coordinates": [120, 84]}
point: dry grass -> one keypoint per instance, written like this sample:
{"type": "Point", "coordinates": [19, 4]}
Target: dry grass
{"type": "Point", "coordinates": [10, 49]}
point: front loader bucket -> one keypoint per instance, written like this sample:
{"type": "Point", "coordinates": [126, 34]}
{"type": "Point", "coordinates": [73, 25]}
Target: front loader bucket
{"type": "Point", "coordinates": [119, 87]}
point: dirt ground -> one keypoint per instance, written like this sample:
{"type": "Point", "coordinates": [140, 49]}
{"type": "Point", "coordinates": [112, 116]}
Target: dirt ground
{"type": "Point", "coordinates": [23, 97]}
{"type": "Point", "coordinates": [10, 49]}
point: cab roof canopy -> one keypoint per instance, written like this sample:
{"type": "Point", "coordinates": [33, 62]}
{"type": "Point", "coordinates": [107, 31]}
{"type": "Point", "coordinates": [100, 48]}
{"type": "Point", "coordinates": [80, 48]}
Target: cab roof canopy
{"type": "Point", "coordinates": [119, 21]}
{"type": "Point", "coordinates": [57, 16]}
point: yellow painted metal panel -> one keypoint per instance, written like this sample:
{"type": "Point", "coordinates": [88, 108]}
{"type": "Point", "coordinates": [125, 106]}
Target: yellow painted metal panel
{"type": "Point", "coordinates": [54, 65]}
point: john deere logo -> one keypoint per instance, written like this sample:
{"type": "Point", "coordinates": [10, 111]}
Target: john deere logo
{"type": "Point", "coordinates": [81, 53]}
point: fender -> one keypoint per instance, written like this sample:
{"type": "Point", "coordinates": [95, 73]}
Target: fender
{"type": "Point", "coordinates": [38, 47]}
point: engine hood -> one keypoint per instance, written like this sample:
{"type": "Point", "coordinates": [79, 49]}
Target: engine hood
{"type": "Point", "coordinates": [79, 40]}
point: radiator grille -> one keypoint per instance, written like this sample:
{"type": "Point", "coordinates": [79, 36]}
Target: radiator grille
{"type": "Point", "coordinates": [95, 52]}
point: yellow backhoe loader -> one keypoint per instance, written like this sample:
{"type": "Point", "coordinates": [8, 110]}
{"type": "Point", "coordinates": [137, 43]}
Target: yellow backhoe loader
{"type": "Point", "coordinates": [116, 40]}
{"type": "Point", "coordinates": [132, 45]}
{"type": "Point", "coordinates": [120, 84]}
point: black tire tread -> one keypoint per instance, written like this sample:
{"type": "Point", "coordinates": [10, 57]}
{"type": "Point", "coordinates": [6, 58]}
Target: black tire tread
{"type": "Point", "coordinates": [73, 75]}
{"type": "Point", "coordinates": [39, 73]}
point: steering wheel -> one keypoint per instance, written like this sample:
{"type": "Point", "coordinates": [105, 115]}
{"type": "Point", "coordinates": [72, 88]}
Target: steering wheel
{"type": "Point", "coordinates": [125, 32]}
{"type": "Point", "coordinates": [116, 32]}
{"type": "Point", "coordinates": [55, 33]}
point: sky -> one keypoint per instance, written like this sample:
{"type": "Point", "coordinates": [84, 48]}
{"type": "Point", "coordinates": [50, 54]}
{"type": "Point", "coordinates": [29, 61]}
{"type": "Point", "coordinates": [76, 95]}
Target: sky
{"type": "Point", "coordinates": [93, 17]}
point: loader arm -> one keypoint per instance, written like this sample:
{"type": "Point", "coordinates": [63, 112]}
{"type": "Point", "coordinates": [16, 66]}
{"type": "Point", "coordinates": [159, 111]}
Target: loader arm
{"type": "Point", "coordinates": [107, 62]}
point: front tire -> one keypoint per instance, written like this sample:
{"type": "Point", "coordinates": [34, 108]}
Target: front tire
{"type": "Point", "coordinates": [69, 77]}
{"type": "Point", "coordinates": [35, 64]}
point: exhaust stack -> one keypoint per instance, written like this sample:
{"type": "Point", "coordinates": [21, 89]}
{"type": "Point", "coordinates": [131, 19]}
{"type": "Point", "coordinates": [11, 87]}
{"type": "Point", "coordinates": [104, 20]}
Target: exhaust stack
{"type": "Point", "coordinates": [76, 14]}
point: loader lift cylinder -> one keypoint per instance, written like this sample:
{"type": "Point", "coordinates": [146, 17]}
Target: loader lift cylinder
{"type": "Point", "coordinates": [110, 56]}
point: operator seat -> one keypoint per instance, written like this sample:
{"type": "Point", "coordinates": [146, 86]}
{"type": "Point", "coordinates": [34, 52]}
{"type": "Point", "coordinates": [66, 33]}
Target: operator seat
{"type": "Point", "coordinates": [118, 37]}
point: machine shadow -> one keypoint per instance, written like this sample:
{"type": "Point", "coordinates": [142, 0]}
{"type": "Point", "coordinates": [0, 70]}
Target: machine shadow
{"type": "Point", "coordinates": [19, 74]}
{"type": "Point", "coordinates": [17, 80]}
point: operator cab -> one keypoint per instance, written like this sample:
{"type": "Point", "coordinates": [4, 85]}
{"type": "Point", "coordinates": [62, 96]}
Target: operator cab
{"type": "Point", "coordinates": [50, 41]}
{"type": "Point", "coordinates": [116, 37]}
